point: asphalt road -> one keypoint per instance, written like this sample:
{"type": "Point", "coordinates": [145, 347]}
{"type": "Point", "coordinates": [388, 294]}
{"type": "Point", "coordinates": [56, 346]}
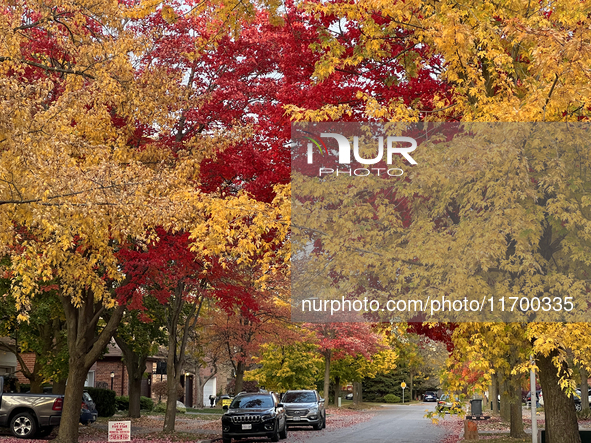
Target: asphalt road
{"type": "Point", "coordinates": [391, 424]}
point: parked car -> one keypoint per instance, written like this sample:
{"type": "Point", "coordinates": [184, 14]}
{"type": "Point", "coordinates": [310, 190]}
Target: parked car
{"type": "Point", "coordinates": [254, 415]}
{"type": "Point", "coordinates": [88, 413]}
{"type": "Point", "coordinates": [349, 396]}
{"type": "Point", "coordinates": [430, 396]}
{"type": "Point", "coordinates": [577, 399]}
{"type": "Point", "coordinates": [29, 415]}
{"type": "Point", "coordinates": [448, 403]}
{"type": "Point", "coordinates": [304, 407]}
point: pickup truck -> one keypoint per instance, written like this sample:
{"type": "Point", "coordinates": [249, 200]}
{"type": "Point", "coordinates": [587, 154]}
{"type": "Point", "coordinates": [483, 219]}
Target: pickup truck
{"type": "Point", "coordinates": [29, 415]}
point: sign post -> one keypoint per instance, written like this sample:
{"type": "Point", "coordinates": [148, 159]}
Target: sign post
{"type": "Point", "coordinates": [403, 386]}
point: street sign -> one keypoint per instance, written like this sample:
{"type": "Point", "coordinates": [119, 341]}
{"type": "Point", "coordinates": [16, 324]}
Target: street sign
{"type": "Point", "coordinates": [403, 385]}
{"type": "Point", "coordinates": [120, 431]}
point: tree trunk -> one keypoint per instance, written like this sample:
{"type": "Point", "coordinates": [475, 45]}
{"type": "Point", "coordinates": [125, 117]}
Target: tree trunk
{"type": "Point", "coordinates": [68, 430]}
{"type": "Point", "coordinates": [239, 386]}
{"type": "Point", "coordinates": [172, 381]}
{"type": "Point", "coordinates": [337, 389]}
{"type": "Point", "coordinates": [516, 417]}
{"type": "Point", "coordinates": [505, 398]}
{"type": "Point", "coordinates": [357, 393]}
{"type": "Point", "coordinates": [136, 366]}
{"type": "Point", "coordinates": [59, 387]}
{"type": "Point", "coordinates": [584, 388]}
{"type": "Point", "coordinates": [135, 391]}
{"type": "Point", "coordinates": [326, 376]}
{"type": "Point", "coordinates": [181, 319]}
{"type": "Point", "coordinates": [36, 385]}
{"type": "Point", "coordinates": [199, 389]}
{"type": "Point", "coordinates": [495, 394]}
{"type": "Point", "coordinates": [84, 348]}
{"type": "Point", "coordinates": [561, 417]}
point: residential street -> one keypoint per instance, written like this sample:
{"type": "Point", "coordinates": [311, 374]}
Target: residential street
{"type": "Point", "coordinates": [391, 423]}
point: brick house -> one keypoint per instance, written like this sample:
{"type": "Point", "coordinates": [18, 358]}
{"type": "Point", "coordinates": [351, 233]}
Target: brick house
{"type": "Point", "coordinates": [109, 372]}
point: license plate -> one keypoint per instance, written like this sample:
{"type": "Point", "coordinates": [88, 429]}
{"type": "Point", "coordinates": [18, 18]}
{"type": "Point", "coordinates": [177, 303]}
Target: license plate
{"type": "Point", "coordinates": [245, 426]}
{"type": "Point", "coordinates": [296, 418]}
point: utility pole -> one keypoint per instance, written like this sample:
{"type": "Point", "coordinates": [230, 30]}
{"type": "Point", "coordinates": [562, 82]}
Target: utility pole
{"type": "Point", "coordinates": [533, 402]}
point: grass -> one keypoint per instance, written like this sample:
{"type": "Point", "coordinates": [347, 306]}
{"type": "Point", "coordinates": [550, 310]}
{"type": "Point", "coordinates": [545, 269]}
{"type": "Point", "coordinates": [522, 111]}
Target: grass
{"type": "Point", "coordinates": [218, 411]}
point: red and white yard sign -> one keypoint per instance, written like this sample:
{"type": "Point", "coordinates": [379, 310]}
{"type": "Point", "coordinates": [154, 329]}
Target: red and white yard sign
{"type": "Point", "coordinates": [119, 431]}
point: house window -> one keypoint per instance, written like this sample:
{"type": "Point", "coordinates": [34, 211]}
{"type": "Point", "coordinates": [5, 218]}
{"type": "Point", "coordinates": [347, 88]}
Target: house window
{"type": "Point", "coordinates": [89, 379]}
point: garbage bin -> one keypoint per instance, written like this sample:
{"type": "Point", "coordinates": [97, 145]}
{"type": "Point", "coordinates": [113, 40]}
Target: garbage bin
{"type": "Point", "coordinates": [476, 406]}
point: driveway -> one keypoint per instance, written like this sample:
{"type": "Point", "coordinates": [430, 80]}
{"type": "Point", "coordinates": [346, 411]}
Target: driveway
{"type": "Point", "coordinates": [388, 424]}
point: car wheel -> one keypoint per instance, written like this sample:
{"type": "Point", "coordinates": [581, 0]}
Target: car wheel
{"type": "Point", "coordinates": [318, 426]}
{"type": "Point", "coordinates": [226, 439]}
{"type": "Point", "coordinates": [578, 407]}
{"type": "Point", "coordinates": [275, 435]}
{"type": "Point", "coordinates": [23, 425]}
{"type": "Point", "coordinates": [324, 421]}
{"type": "Point", "coordinates": [283, 434]}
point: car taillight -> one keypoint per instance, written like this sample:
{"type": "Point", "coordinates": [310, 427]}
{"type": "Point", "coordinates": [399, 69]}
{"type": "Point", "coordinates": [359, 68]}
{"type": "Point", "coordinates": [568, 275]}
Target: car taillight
{"type": "Point", "coordinates": [58, 404]}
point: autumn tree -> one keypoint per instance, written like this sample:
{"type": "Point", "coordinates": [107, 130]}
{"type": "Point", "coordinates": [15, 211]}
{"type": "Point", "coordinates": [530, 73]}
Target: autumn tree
{"type": "Point", "coordinates": [523, 63]}
{"type": "Point", "coordinates": [43, 334]}
{"type": "Point", "coordinates": [285, 366]}
{"type": "Point", "coordinates": [138, 336]}
{"type": "Point", "coordinates": [487, 353]}
{"type": "Point", "coordinates": [339, 340]}
{"type": "Point", "coordinates": [258, 315]}
{"type": "Point", "coordinates": [83, 169]}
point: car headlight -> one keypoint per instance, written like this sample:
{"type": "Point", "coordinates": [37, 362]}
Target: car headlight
{"type": "Point", "coordinates": [266, 416]}
{"type": "Point", "coordinates": [314, 410]}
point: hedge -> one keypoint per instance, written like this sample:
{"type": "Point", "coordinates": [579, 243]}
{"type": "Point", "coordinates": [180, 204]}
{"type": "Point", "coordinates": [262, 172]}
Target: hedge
{"type": "Point", "coordinates": [122, 402]}
{"type": "Point", "coordinates": [146, 404]}
{"type": "Point", "coordinates": [391, 398]}
{"type": "Point", "coordinates": [104, 399]}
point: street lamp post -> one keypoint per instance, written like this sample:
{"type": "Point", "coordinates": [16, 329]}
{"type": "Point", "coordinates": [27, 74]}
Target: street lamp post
{"type": "Point", "coordinates": [533, 401]}
{"type": "Point", "coordinates": [112, 378]}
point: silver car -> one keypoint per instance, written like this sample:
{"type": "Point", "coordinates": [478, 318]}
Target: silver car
{"type": "Point", "coordinates": [304, 408]}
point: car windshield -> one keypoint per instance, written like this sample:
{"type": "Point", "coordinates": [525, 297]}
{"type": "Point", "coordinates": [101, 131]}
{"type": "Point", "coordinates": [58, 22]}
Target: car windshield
{"type": "Point", "coordinates": [252, 402]}
{"type": "Point", "coordinates": [299, 397]}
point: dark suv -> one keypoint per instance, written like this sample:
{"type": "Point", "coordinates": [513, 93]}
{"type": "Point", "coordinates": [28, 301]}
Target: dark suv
{"type": "Point", "coordinates": [254, 415]}
{"type": "Point", "coordinates": [304, 408]}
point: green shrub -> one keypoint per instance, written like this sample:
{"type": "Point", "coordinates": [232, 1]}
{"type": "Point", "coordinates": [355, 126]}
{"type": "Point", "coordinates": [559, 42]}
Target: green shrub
{"type": "Point", "coordinates": [391, 398]}
{"type": "Point", "coordinates": [104, 399]}
{"type": "Point", "coordinates": [122, 403]}
{"type": "Point", "coordinates": [160, 407]}
{"type": "Point", "coordinates": [146, 403]}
